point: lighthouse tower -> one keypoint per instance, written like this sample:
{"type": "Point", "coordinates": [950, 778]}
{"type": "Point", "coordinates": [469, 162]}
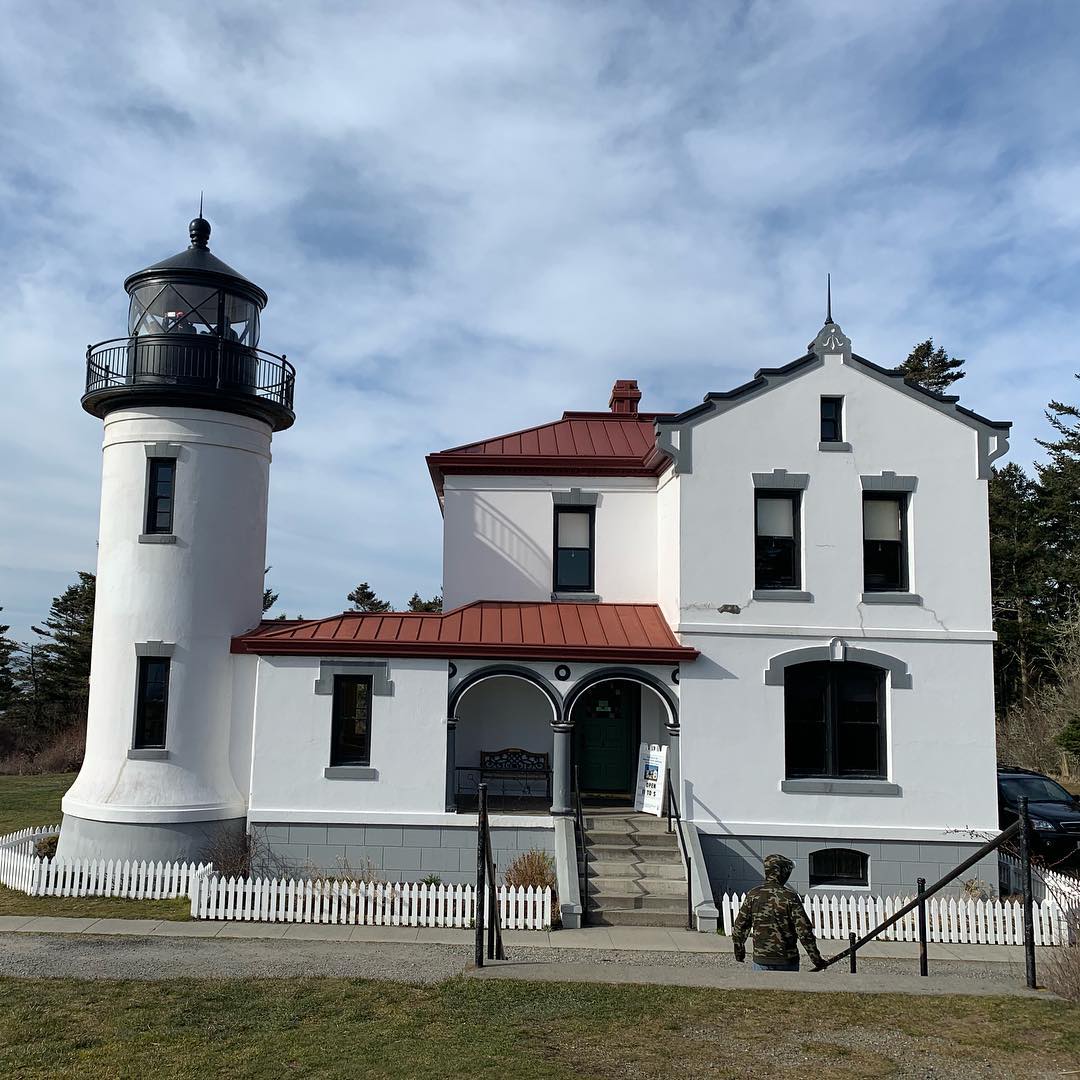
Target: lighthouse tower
{"type": "Point", "coordinates": [189, 404]}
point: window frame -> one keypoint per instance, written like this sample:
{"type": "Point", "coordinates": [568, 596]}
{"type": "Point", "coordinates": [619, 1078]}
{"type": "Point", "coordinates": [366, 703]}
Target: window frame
{"type": "Point", "coordinates": [903, 500]}
{"type": "Point", "coordinates": [150, 512]}
{"type": "Point", "coordinates": [837, 881]}
{"type": "Point", "coordinates": [336, 719]}
{"type": "Point", "coordinates": [838, 401]}
{"type": "Point", "coordinates": [832, 669]}
{"type": "Point", "coordinates": [556, 585]}
{"type": "Point", "coordinates": [139, 739]}
{"type": "Point", "coordinates": [795, 497]}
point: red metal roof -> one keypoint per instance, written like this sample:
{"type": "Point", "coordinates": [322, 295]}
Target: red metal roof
{"type": "Point", "coordinates": [634, 633]}
{"type": "Point", "coordinates": [580, 444]}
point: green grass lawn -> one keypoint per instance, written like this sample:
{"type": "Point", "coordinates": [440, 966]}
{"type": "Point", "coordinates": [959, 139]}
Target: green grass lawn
{"type": "Point", "coordinates": [35, 800]}
{"type": "Point", "coordinates": [333, 1028]}
{"type": "Point", "coordinates": [31, 800]}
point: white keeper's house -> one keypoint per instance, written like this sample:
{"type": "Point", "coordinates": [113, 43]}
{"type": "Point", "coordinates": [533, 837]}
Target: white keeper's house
{"type": "Point", "coordinates": [787, 585]}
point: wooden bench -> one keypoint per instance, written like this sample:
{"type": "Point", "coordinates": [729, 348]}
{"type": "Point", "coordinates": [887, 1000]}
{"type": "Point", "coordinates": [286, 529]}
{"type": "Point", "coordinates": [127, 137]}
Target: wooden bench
{"type": "Point", "coordinates": [513, 763]}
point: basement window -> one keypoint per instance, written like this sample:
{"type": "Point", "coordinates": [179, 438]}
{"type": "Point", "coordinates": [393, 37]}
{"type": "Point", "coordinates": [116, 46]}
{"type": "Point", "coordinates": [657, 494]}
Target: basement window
{"type": "Point", "coordinates": [841, 868]}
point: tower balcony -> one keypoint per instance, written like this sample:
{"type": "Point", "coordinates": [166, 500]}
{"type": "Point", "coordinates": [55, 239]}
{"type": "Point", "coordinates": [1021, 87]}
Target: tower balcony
{"type": "Point", "coordinates": [194, 370]}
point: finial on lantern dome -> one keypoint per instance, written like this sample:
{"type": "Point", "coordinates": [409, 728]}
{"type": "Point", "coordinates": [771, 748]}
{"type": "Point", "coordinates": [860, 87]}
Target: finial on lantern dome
{"type": "Point", "coordinates": [199, 229]}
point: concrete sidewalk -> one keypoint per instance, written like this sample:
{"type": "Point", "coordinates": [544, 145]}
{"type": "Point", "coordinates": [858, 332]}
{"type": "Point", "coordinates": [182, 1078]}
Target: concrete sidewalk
{"type": "Point", "coordinates": [607, 939]}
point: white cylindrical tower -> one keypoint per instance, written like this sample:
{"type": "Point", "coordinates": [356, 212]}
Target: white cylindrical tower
{"type": "Point", "coordinates": [189, 404]}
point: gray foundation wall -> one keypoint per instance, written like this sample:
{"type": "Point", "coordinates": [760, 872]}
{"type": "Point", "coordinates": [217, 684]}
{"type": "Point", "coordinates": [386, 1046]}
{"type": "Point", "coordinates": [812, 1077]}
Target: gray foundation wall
{"type": "Point", "coordinates": [735, 863]}
{"type": "Point", "coordinates": [397, 852]}
{"type": "Point", "coordinates": [189, 841]}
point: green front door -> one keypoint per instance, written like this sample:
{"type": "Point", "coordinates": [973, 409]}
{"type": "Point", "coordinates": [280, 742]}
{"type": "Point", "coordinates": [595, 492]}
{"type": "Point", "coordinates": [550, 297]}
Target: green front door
{"type": "Point", "coordinates": [606, 733]}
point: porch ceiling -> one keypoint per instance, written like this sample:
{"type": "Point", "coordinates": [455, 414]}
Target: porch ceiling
{"type": "Point", "coordinates": [636, 633]}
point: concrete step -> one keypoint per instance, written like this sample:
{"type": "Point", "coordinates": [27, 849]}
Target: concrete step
{"type": "Point", "coordinates": [623, 917]}
{"type": "Point", "coordinates": [631, 823]}
{"type": "Point", "coordinates": [639, 902]}
{"type": "Point", "coordinates": [620, 839]}
{"type": "Point", "coordinates": [629, 853]}
{"type": "Point", "coordinates": [621, 886]}
{"type": "Point", "coordinates": [616, 868]}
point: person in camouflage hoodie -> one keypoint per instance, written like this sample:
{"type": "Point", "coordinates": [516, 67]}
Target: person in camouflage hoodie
{"type": "Point", "coordinates": [775, 914]}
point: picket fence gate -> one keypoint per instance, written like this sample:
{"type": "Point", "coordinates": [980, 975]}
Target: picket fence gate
{"type": "Point", "coordinates": [948, 920]}
{"type": "Point", "coordinates": [362, 903]}
{"type": "Point", "coordinates": [22, 869]}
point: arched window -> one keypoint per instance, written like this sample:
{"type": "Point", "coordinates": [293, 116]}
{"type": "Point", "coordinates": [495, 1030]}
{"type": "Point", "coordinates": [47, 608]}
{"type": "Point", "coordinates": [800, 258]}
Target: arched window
{"type": "Point", "coordinates": [834, 720]}
{"type": "Point", "coordinates": [841, 867]}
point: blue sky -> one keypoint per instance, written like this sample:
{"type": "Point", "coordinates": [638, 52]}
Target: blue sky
{"type": "Point", "coordinates": [470, 217]}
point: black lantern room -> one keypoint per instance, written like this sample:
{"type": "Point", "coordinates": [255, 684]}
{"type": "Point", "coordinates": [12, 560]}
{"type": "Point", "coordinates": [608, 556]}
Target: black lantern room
{"type": "Point", "coordinates": [193, 336]}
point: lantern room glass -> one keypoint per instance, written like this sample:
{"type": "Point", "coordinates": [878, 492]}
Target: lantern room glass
{"type": "Point", "coordinates": [181, 308]}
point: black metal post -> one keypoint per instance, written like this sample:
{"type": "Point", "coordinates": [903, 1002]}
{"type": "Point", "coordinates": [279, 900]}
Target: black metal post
{"type": "Point", "coordinates": [923, 966]}
{"type": "Point", "coordinates": [493, 904]}
{"type": "Point", "coordinates": [851, 954]}
{"type": "Point", "coordinates": [1025, 887]}
{"type": "Point", "coordinates": [481, 869]}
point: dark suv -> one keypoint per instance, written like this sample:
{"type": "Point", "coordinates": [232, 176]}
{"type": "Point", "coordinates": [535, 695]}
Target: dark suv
{"type": "Point", "coordinates": [1055, 814]}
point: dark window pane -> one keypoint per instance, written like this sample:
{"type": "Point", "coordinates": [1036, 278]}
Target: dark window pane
{"type": "Point", "coordinates": [830, 420]}
{"type": "Point", "coordinates": [573, 550]}
{"type": "Point", "coordinates": [152, 699]}
{"type": "Point", "coordinates": [839, 866]}
{"type": "Point", "coordinates": [883, 562]}
{"type": "Point", "coordinates": [351, 724]}
{"type": "Point", "coordinates": [776, 546]}
{"type": "Point", "coordinates": [159, 497]}
{"type": "Point", "coordinates": [884, 549]}
{"type": "Point", "coordinates": [574, 568]}
{"type": "Point", "coordinates": [805, 720]}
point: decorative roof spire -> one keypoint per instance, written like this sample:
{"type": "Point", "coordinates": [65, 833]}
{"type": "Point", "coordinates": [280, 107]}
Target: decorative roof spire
{"type": "Point", "coordinates": [828, 285]}
{"type": "Point", "coordinates": [831, 339]}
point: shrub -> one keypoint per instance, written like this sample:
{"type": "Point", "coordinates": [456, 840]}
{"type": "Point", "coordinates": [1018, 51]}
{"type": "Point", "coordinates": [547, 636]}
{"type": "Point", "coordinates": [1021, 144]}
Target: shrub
{"type": "Point", "coordinates": [531, 868]}
{"type": "Point", "coordinates": [431, 879]}
{"type": "Point", "coordinates": [45, 848]}
{"type": "Point", "coordinates": [1061, 969]}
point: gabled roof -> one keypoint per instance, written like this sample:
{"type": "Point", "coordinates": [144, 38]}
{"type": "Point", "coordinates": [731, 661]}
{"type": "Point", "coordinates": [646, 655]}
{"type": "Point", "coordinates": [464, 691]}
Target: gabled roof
{"type": "Point", "coordinates": [629, 633]}
{"type": "Point", "coordinates": [579, 444]}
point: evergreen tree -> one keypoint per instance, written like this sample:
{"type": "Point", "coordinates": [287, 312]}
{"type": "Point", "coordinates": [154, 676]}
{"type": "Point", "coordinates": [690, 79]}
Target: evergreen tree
{"type": "Point", "coordinates": [1059, 479]}
{"type": "Point", "coordinates": [1018, 573]}
{"type": "Point", "coordinates": [932, 368]}
{"type": "Point", "coordinates": [10, 688]}
{"type": "Point", "coordinates": [270, 598]}
{"type": "Point", "coordinates": [434, 604]}
{"type": "Point", "coordinates": [363, 598]}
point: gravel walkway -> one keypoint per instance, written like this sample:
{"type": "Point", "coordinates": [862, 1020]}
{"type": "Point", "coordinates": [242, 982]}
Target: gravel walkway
{"type": "Point", "coordinates": [117, 957]}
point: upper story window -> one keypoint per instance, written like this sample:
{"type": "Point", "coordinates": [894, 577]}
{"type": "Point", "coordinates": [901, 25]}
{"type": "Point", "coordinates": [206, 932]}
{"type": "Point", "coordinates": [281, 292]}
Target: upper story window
{"type": "Point", "coordinates": [832, 419]}
{"type": "Point", "coordinates": [834, 720]}
{"type": "Point", "coordinates": [840, 867]}
{"type": "Point", "coordinates": [575, 542]}
{"type": "Point", "coordinates": [151, 702]}
{"type": "Point", "coordinates": [160, 483]}
{"type": "Point", "coordinates": [350, 729]}
{"type": "Point", "coordinates": [776, 548]}
{"type": "Point", "coordinates": [885, 556]}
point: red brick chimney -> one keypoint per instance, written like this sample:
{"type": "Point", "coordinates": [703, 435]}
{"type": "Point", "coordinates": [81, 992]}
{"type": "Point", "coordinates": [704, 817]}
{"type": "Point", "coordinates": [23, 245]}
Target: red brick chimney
{"type": "Point", "coordinates": [625, 397]}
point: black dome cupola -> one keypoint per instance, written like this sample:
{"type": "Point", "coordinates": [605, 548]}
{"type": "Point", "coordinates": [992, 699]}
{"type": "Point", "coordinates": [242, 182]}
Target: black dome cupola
{"type": "Point", "coordinates": [193, 336]}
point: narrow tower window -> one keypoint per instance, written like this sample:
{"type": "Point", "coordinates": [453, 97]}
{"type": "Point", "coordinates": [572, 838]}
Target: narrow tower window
{"type": "Point", "coordinates": [161, 477]}
{"type": "Point", "coordinates": [575, 536]}
{"type": "Point", "coordinates": [152, 702]}
{"type": "Point", "coordinates": [832, 419]}
{"type": "Point", "coordinates": [776, 549]}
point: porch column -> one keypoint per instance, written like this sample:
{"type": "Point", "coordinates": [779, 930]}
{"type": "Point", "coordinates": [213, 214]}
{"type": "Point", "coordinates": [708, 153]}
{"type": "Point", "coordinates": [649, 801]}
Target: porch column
{"type": "Point", "coordinates": [560, 768]}
{"type": "Point", "coordinates": [451, 762]}
{"type": "Point", "coordinates": [675, 764]}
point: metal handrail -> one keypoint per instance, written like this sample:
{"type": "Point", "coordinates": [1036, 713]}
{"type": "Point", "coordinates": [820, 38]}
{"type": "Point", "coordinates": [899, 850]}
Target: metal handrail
{"type": "Point", "coordinates": [193, 360]}
{"type": "Point", "coordinates": [924, 894]}
{"type": "Point", "coordinates": [486, 890]}
{"type": "Point", "coordinates": [579, 815]}
{"type": "Point", "coordinates": [673, 811]}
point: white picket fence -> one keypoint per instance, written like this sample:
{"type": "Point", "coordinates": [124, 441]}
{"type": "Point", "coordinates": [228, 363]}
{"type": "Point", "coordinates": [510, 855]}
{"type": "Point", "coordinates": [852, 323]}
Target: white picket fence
{"type": "Point", "coordinates": [22, 869]}
{"type": "Point", "coordinates": [363, 903]}
{"type": "Point", "coordinates": [959, 921]}
{"type": "Point", "coordinates": [1063, 889]}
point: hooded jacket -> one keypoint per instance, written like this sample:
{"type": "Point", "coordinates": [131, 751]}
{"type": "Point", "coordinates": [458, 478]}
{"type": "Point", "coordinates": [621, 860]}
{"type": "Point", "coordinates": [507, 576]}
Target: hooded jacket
{"type": "Point", "coordinates": [775, 915]}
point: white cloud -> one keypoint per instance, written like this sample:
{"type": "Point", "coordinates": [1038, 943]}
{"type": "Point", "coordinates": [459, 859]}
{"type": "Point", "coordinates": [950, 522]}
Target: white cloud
{"type": "Point", "coordinates": [471, 216]}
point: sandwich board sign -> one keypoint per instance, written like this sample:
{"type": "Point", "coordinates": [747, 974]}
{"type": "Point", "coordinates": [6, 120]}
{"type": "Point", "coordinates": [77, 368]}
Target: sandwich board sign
{"type": "Point", "coordinates": [651, 779]}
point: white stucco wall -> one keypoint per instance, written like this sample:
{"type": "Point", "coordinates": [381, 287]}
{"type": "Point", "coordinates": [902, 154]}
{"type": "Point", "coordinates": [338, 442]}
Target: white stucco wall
{"type": "Point", "coordinates": [887, 430]}
{"type": "Point", "coordinates": [940, 733]}
{"type": "Point", "coordinates": [667, 545]}
{"type": "Point", "coordinates": [292, 745]}
{"type": "Point", "coordinates": [194, 594]}
{"type": "Point", "coordinates": [499, 713]}
{"type": "Point", "coordinates": [498, 537]}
